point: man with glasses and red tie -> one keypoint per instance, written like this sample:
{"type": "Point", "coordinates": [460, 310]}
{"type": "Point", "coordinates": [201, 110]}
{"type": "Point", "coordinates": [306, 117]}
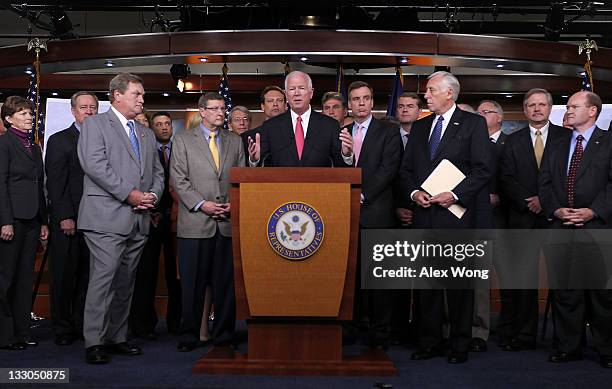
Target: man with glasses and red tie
{"type": "Point", "coordinates": [301, 137]}
{"type": "Point", "coordinates": [575, 190]}
{"type": "Point", "coordinates": [199, 172]}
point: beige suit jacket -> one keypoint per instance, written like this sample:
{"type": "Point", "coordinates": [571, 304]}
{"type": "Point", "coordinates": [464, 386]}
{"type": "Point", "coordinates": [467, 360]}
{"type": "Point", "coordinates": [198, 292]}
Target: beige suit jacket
{"type": "Point", "coordinates": [195, 178]}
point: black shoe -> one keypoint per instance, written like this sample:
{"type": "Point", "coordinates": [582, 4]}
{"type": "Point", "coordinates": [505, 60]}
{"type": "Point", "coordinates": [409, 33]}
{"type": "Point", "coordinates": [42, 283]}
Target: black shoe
{"type": "Point", "coordinates": [96, 355]}
{"type": "Point", "coordinates": [64, 340]}
{"type": "Point", "coordinates": [186, 347]}
{"type": "Point", "coordinates": [123, 348]}
{"type": "Point", "coordinates": [562, 357]}
{"type": "Point", "coordinates": [478, 345]}
{"type": "Point", "coordinates": [379, 345]}
{"type": "Point", "coordinates": [606, 362]}
{"type": "Point", "coordinates": [14, 346]}
{"type": "Point", "coordinates": [457, 357]}
{"type": "Point", "coordinates": [519, 345]}
{"type": "Point", "coordinates": [146, 335]}
{"type": "Point", "coordinates": [427, 353]}
{"type": "Point", "coordinates": [29, 342]}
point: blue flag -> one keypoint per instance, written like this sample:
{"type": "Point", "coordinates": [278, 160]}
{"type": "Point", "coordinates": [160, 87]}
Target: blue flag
{"type": "Point", "coordinates": [225, 92]}
{"type": "Point", "coordinates": [398, 89]}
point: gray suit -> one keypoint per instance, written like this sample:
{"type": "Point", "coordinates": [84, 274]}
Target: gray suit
{"type": "Point", "coordinates": [114, 232]}
{"type": "Point", "coordinates": [204, 247]}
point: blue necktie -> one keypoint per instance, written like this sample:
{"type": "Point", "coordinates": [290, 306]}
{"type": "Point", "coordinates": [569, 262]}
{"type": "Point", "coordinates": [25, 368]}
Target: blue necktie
{"type": "Point", "coordinates": [434, 140]}
{"type": "Point", "coordinates": [134, 139]}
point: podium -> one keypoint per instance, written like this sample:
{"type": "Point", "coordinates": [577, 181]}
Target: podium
{"type": "Point", "coordinates": [294, 237]}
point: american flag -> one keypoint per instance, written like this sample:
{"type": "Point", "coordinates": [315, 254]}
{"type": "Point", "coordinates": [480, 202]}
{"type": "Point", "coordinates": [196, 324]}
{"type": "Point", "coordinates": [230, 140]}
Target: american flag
{"type": "Point", "coordinates": [586, 82]}
{"type": "Point", "coordinates": [398, 89]}
{"type": "Point", "coordinates": [225, 92]}
{"type": "Point", "coordinates": [38, 131]}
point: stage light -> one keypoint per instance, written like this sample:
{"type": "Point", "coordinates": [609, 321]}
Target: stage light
{"type": "Point", "coordinates": [178, 73]}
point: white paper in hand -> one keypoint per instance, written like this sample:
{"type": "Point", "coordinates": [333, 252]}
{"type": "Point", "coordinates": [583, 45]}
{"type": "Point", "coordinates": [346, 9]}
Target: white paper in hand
{"type": "Point", "coordinates": [444, 178]}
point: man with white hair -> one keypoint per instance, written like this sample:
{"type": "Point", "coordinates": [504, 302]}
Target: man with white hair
{"type": "Point", "coordinates": [460, 137]}
{"type": "Point", "coordinates": [301, 137]}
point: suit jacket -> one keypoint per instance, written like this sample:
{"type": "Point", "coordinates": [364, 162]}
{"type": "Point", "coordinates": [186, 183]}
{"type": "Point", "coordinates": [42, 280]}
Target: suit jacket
{"type": "Point", "coordinates": [593, 187]}
{"type": "Point", "coordinates": [321, 146]}
{"type": "Point", "coordinates": [165, 203]}
{"type": "Point", "coordinates": [64, 174]}
{"type": "Point", "coordinates": [379, 162]}
{"type": "Point", "coordinates": [21, 182]}
{"type": "Point", "coordinates": [494, 217]}
{"type": "Point", "coordinates": [465, 143]}
{"type": "Point", "coordinates": [195, 178]}
{"type": "Point", "coordinates": [518, 175]}
{"type": "Point", "coordinates": [112, 170]}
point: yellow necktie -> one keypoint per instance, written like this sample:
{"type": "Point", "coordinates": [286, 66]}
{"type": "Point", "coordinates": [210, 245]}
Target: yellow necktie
{"type": "Point", "coordinates": [213, 149]}
{"type": "Point", "coordinates": [538, 147]}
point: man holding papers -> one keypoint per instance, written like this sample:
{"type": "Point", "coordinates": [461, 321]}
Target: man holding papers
{"type": "Point", "coordinates": [460, 138]}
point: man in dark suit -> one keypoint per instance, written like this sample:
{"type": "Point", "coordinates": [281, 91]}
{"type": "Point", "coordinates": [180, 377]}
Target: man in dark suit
{"type": "Point", "coordinates": [301, 137]}
{"type": "Point", "coordinates": [143, 317]}
{"type": "Point", "coordinates": [460, 137]}
{"type": "Point", "coordinates": [68, 251]}
{"type": "Point", "coordinates": [575, 188]}
{"type": "Point", "coordinates": [518, 182]}
{"type": "Point", "coordinates": [377, 148]}
{"type": "Point", "coordinates": [403, 318]}
{"type": "Point", "coordinates": [491, 216]}
{"type": "Point", "coordinates": [123, 180]}
{"type": "Point", "coordinates": [273, 103]}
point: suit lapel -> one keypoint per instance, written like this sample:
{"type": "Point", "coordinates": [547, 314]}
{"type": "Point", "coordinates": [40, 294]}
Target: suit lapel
{"type": "Point", "coordinates": [224, 142]}
{"type": "Point", "coordinates": [450, 132]}
{"type": "Point", "coordinates": [367, 140]}
{"type": "Point", "coordinates": [591, 149]}
{"type": "Point", "coordinates": [121, 134]}
{"type": "Point", "coordinates": [562, 160]}
{"type": "Point", "coordinates": [141, 135]}
{"type": "Point", "coordinates": [528, 150]}
{"type": "Point", "coordinates": [200, 142]}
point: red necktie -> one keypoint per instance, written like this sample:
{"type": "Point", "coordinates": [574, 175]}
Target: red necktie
{"type": "Point", "coordinates": [299, 137]}
{"type": "Point", "coordinates": [573, 169]}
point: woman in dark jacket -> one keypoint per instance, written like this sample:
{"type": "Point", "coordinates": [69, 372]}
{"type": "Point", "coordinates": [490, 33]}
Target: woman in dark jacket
{"type": "Point", "coordinates": [23, 221]}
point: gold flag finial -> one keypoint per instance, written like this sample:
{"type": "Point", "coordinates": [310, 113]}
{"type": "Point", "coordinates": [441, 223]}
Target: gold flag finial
{"type": "Point", "coordinates": [587, 46]}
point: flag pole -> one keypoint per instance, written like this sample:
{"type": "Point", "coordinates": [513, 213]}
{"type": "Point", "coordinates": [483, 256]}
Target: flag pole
{"type": "Point", "coordinates": [37, 45]}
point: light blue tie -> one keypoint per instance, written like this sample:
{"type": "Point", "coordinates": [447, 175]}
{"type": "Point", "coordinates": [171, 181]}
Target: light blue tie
{"type": "Point", "coordinates": [434, 140]}
{"type": "Point", "coordinates": [134, 139]}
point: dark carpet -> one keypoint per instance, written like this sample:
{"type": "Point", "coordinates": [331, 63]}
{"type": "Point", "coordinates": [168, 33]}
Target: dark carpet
{"type": "Point", "coordinates": [161, 366]}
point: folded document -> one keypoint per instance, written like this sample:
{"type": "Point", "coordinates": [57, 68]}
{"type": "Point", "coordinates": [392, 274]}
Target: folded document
{"type": "Point", "coordinates": [444, 178]}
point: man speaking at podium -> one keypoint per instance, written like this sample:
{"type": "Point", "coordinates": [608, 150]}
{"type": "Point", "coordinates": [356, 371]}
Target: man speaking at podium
{"type": "Point", "coordinates": [301, 137]}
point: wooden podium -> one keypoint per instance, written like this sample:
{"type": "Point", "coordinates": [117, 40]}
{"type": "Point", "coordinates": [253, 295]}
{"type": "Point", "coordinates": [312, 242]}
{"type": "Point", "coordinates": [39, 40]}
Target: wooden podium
{"type": "Point", "coordinates": [295, 237]}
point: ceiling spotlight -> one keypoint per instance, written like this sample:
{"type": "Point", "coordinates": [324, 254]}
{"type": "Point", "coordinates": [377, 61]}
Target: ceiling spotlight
{"type": "Point", "coordinates": [203, 59]}
{"type": "Point", "coordinates": [565, 96]}
{"type": "Point", "coordinates": [165, 94]}
{"type": "Point", "coordinates": [499, 65]}
{"type": "Point", "coordinates": [189, 85]}
{"type": "Point", "coordinates": [303, 59]}
{"type": "Point", "coordinates": [404, 60]}
{"type": "Point", "coordinates": [508, 95]}
{"type": "Point", "coordinates": [109, 63]}
{"type": "Point", "coordinates": [54, 94]}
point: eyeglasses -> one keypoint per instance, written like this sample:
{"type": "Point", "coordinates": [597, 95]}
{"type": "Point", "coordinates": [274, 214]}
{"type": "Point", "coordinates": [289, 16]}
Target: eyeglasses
{"type": "Point", "coordinates": [574, 107]}
{"type": "Point", "coordinates": [222, 109]}
{"type": "Point", "coordinates": [486, 112]}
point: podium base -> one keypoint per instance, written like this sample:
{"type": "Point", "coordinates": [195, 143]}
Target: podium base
{"type": "Point", "coordinates": [224, 360]}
